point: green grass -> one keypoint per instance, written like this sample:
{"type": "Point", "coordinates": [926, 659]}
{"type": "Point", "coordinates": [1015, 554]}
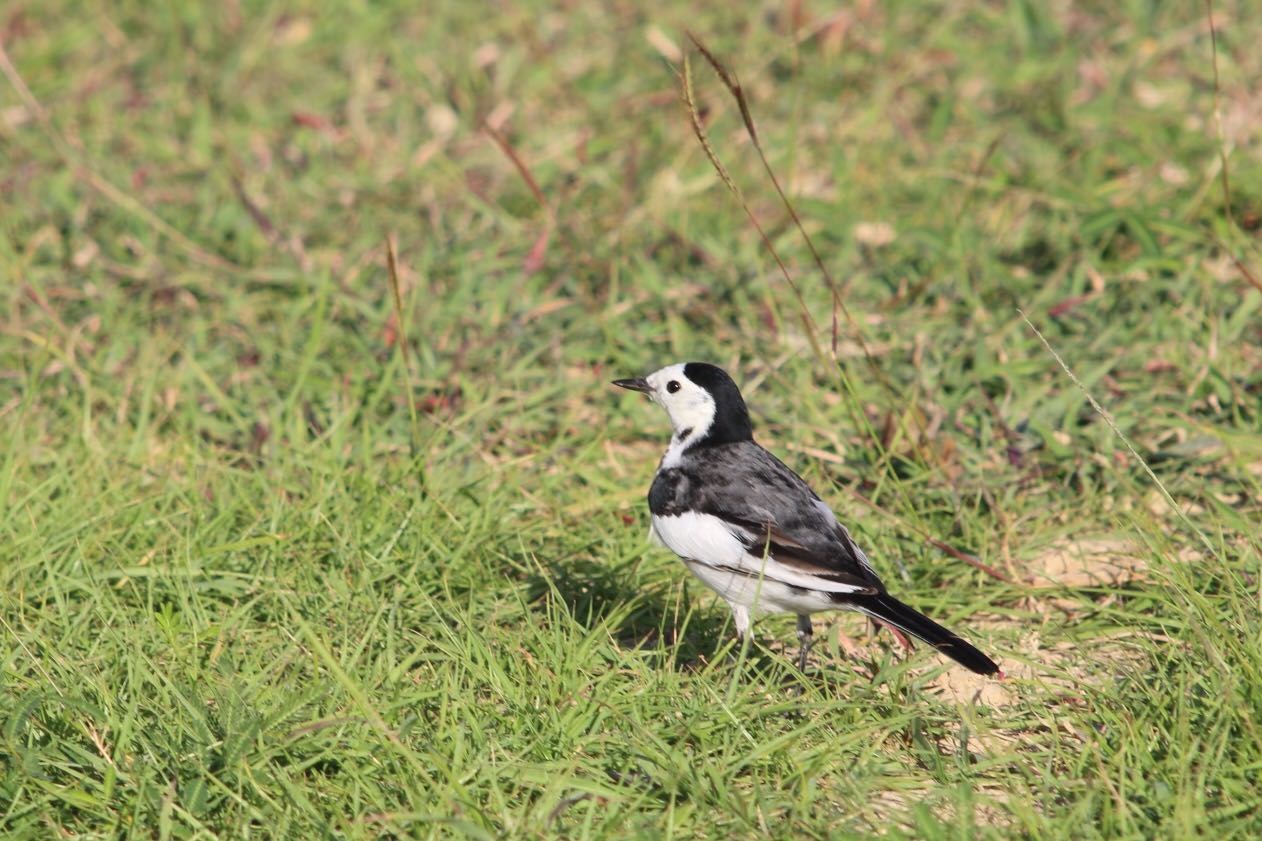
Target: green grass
{"type": "Point", "coordinates": [262, 576]}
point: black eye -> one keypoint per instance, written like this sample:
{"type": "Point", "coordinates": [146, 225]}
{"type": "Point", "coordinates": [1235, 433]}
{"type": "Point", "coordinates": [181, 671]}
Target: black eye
{"type": "Point", "coordinates": [672, 386]}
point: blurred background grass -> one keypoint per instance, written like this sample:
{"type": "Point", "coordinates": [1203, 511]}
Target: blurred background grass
{"type": "Point", "coordinates": [264, 575]}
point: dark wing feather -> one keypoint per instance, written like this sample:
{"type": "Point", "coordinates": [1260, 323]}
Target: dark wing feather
{"type": "Point", "coordinates": [771, 508]}
{"type": "Point", "coordinates": [766, 538]}
{"type": "Point", "coordinates": [890, 610]}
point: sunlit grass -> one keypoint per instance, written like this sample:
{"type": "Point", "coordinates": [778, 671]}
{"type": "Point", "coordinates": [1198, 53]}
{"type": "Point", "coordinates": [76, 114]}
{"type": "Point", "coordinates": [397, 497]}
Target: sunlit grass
{"type": "Point", "coordinates": [249, 591]}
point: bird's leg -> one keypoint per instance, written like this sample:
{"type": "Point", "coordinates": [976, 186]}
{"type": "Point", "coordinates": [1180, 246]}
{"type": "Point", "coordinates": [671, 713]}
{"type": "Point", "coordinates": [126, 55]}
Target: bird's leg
{"type": "Point", "coordinates": [805, 636]}
{"type": "Point", "coordinates": [741, 617]}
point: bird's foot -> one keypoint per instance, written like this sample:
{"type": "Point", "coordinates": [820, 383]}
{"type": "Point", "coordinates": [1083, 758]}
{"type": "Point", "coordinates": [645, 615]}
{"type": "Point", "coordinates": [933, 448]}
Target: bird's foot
{"type": "Point", "coordinates": [803, 652]}
{"type": "Point", "coordinates": [805, 637]}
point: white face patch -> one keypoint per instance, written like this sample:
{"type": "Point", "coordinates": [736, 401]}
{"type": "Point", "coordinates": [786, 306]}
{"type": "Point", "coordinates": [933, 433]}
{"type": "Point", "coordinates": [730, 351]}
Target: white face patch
{"type": "Point", "coordinates": [689, 407]}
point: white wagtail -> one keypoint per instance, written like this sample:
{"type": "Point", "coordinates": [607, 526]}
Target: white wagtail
{"type": "Point", "coordinates": [752, 530]}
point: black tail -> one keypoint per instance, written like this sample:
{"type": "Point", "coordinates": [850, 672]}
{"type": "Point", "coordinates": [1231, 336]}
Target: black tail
{"type": "Point", "coordinates": [911, 621]}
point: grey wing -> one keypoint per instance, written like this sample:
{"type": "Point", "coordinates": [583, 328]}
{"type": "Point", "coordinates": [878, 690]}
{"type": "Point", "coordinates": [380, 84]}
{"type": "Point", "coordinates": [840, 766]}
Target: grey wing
{"type": "Point", "coordinates": [779, 514]}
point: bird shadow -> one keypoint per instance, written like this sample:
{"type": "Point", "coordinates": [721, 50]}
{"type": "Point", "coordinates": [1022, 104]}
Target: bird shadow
{"type": "Point", "coordinates": [596, 595]}
{"type": "Point", "coordinates": [690, 636]}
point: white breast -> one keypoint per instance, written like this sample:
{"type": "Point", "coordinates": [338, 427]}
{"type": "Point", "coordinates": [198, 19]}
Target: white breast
{"type": "Point", "coordinates": [699, 537]}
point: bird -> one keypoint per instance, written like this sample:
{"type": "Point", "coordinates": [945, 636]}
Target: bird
{"type": "Point", "coordinates": [753, 530]}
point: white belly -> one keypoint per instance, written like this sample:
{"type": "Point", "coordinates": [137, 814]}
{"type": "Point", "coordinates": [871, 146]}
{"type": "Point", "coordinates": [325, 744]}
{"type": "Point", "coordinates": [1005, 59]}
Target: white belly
{"type": "Point", "coordinates": [760, 584]}
{"type": "Point", "coordinates": [760, 595]}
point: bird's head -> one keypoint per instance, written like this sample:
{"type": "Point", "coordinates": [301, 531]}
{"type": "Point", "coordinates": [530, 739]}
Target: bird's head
{"type": "Point", "coordinates": [702, 401]}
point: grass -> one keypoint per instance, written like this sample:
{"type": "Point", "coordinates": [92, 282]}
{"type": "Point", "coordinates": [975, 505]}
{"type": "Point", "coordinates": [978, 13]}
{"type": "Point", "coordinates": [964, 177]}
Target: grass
{"type": "Point", "coordinates": [263, 576]}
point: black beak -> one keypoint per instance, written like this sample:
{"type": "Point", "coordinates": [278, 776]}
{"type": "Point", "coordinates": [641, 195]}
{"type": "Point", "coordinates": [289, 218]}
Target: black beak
{"type": "Point", "coordinates": [635, 384]}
